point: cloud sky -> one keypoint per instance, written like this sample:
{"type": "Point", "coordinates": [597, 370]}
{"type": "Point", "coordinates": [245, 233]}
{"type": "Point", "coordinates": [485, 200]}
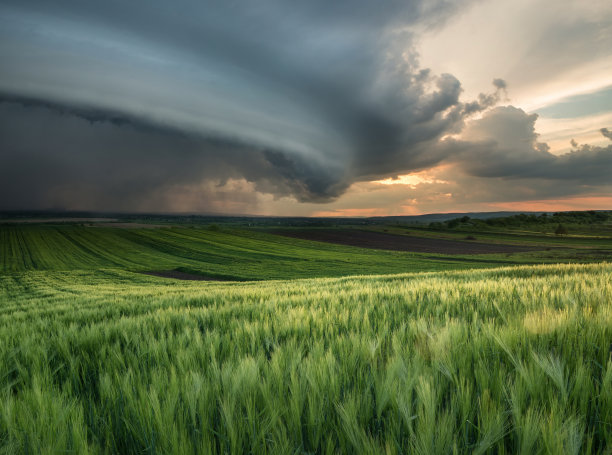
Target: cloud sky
{"type": "Point", "coordinates": [276, 108]}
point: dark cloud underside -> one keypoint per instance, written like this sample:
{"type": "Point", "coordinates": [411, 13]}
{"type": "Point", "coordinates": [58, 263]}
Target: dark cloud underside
{"type": "Point", "coordinates": [105, 105]}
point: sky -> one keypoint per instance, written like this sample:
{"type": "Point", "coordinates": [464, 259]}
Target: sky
{"type": "Point", "coordinates": [318, 108]}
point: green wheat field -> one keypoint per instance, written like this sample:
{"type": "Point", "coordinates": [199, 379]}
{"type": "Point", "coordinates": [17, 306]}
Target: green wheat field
{"type": "Point", "coordinates": [309, 348]}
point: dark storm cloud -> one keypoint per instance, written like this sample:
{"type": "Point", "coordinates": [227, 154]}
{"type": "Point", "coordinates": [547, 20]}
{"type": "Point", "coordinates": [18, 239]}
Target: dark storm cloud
{"type": "Point", "coordinates": [55, 156]}
{"type": "Point", "coordinates": [105, 104]}
{"type": "Point", "coordinates": [90, 114]}
{"type": "Point", "coordinates": [301, 99]}
{"type": "Point", "coordinates": [607, 133]}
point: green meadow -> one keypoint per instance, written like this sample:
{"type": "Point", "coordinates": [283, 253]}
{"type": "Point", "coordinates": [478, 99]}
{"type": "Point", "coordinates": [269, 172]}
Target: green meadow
{"type": "Point", "coordinates": [232, 253]}
{"type": "Point", "coordinates": [309, 348]}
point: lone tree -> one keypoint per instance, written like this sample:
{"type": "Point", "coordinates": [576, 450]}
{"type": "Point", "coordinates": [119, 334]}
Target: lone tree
{"type": "Point", "coordinates": [561, 230]}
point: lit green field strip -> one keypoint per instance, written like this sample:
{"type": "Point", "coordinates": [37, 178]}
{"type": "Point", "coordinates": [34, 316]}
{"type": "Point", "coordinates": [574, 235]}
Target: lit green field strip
{"type": "Point", "coordinates": [231, 252]}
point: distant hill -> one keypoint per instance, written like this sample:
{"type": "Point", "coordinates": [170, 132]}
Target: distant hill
{"type": "Point", "coordinates": [250, 220]}
{"type": "Point", "coordinates": [432, 217]}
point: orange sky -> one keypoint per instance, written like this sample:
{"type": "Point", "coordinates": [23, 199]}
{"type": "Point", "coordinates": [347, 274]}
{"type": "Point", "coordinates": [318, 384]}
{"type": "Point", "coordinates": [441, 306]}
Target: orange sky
{"type": "Point", "coordinates": [558, 205]}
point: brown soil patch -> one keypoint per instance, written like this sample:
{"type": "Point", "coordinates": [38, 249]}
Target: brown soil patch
{"type": "Point", "coordinates": [382, 241]}
{"type": "Point", "coordinates": [177, 275]}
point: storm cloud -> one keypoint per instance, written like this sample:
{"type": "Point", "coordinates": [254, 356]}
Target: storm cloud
{"type": "Point", "coordinates": [114, 105]}
{"type": "Point", "coordinates": [504, 144]}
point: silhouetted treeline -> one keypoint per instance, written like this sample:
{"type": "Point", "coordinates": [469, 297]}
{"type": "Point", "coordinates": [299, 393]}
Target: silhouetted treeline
{"type": "Point", "coordinates": [587, 217]}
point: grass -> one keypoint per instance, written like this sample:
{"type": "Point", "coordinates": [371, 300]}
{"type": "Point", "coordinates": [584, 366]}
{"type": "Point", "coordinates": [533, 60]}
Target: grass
{"type": "Point", "coordinates": [96, 358]}
{"type": "Point", "coordinates": [580, 237]}
{"type": "Point", "coordinates": [236, 253]}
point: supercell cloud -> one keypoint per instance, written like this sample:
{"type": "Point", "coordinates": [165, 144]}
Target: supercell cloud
{"type": "Point", "coordinates": [115, 105]}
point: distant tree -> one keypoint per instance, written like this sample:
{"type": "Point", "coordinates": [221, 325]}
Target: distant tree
{"type": "Point", "coordinates": [561, 230]}
{"type": "Point", "coordinates": [453, 223]}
